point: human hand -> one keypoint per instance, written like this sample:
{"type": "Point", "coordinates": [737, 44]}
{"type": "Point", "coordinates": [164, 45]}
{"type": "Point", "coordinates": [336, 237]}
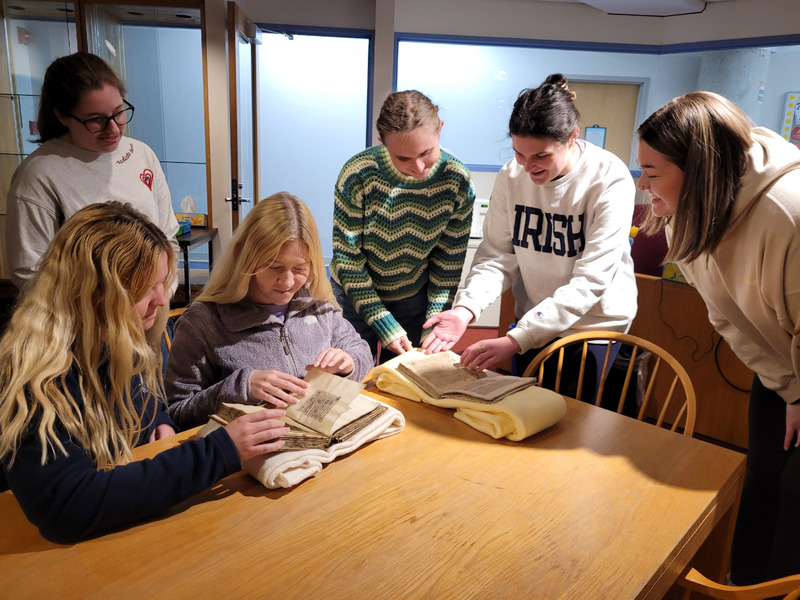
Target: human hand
{"type": "Point", "coordinates": [448, 327]}
{"type": "Point", "coordinates": [276, 387]}
{"type": "Point", "coordinates": [487, 353]}
{"type": "Point", "coordinates": [400, 345]}
{"type": "Point", "coordinates": [792, 426]}
{"type": "Point", "coordinates": [257, 432]}
{"type": "Point", "coordinates": [334, 360]}
{"type": "Point", "coordinates": [161, 432]}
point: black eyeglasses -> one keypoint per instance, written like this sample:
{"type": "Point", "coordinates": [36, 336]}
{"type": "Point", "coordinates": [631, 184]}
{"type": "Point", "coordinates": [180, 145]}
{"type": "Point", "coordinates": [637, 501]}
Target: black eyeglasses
{"type": "Point", "coordinates": [98, 124]}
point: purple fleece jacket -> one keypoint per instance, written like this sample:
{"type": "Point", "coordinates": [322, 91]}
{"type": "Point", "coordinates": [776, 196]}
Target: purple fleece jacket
{"type": "Point", "coordinates": [216, 347]}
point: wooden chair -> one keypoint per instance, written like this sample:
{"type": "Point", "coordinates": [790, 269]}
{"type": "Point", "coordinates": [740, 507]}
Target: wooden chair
{"type": "Point", "coordinates": [667, 381]}
{"type": "Point", "coordinates": [693, 580]}
{"type": "Point", "coordinates": [173, 313]}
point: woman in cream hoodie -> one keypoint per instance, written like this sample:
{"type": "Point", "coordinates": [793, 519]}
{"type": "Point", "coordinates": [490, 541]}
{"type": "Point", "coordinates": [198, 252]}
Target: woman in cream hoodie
{"type": "Point", "coordinates": [729, 196]}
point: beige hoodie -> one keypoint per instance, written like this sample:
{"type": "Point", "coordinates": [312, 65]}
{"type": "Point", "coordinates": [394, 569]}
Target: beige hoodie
{"type": "Point", "coordinates": [751, 282]}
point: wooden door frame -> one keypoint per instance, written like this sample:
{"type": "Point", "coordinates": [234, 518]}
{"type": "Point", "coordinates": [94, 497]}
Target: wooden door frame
{"type": "Point", "coordinates": [238, 27]}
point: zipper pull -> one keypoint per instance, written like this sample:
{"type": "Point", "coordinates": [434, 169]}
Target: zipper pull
{"type": "Point", "coordinates": [283, 339]}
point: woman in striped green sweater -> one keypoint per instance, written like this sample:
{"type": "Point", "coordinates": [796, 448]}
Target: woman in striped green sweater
{"type": "Point", "coordinates": [401, 225]}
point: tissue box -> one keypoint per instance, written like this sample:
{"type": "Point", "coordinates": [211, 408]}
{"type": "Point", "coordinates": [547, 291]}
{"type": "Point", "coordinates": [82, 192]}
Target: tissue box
{"type": "Point", "coordinates": [194, 219]}
{"type": "Point", "coordinates": [184, 227]}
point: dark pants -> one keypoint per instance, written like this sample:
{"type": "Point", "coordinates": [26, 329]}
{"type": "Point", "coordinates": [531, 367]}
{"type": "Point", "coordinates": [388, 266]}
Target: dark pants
{"type": "Point", "coordinates": [410, 313]}
{"type": "Point", "coordinates": [766, 542]}
{"type": "Point", "coordinates": [570, 369]}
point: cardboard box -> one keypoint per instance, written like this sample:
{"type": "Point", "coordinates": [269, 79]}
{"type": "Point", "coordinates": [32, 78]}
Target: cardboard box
{"type": "Point", "coordinates": [195, 219]}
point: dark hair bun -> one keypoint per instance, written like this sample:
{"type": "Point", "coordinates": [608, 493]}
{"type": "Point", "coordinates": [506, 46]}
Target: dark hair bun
{"type": "Point", "coordinates": [558, 80]}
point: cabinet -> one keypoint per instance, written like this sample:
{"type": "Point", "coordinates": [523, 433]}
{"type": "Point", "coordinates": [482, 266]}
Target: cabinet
{"type": "Point", "coordinates": [31, 36]}
{"type": "Point", "coordinates": [674, 316]}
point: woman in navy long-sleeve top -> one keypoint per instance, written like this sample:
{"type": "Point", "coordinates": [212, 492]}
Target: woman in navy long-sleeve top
{"type": "Point", "coordinates": [80, 385]}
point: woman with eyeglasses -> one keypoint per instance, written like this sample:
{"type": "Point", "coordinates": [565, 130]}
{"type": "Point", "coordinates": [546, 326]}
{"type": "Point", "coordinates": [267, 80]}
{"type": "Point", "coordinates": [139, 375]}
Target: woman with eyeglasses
{"type": "Point", "coordinates": [83, 158]}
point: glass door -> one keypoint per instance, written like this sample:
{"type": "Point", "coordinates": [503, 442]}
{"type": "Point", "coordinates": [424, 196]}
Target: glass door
{"type": "Point", "coordinates": [243, 35]}
{"type": "Point", "coordinates": [156, 48]}
{"type": "Point", "coordinates": [293, 111]}
{"type": "Point", "coordinates": [158, 51]}
{"type": "Point", "coordinates": [33, 34]}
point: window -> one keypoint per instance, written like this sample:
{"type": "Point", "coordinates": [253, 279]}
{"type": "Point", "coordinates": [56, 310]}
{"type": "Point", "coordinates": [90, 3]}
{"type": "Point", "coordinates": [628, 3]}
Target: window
{"type": "Point", "coordinates": [477, 90]}
{"type": "Point", "coordinates": [314, 114]}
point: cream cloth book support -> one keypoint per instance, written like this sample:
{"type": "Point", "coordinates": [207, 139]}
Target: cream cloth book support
{"type": "Point", "coordinates": [286, 469]}
{"type": "Point", "coordinates": [515, 417]}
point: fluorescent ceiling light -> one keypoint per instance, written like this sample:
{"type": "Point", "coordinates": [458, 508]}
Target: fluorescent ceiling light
{"type": "Point", "coordinates": [654, 8]}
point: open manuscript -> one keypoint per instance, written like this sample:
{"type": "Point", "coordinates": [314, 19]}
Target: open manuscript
{"type": "Point", "coordinates": [442, 376]}
{"type": "Point", "coordinates": [332, 411]}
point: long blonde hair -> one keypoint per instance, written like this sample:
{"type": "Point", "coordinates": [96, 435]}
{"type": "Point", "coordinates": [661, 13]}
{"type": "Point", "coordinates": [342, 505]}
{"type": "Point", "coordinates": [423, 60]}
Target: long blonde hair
{"type": "Point", "coordinates": [273, 222]}
{"type": "Point", "coordinates": [79, 315]}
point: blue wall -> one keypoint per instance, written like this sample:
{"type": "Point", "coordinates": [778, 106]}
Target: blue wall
{"type": "Point", "coordinates": [477, 89]}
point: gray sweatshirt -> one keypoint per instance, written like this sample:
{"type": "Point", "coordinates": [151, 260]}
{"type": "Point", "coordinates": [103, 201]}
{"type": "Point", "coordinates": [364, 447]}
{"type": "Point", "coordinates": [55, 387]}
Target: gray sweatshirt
{"type": "Point", "coordinates": [216, 347]}
{"type": "Point", "coordinates": [59, 179]}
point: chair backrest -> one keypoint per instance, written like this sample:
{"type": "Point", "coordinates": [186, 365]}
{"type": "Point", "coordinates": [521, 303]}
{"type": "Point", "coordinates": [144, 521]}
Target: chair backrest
{"type": "Point", "coordinates": [794, 595]}
{"type": "Point", "coordinates": [667, 383]}
{"type": "Point", "coordinates": [693, 580]}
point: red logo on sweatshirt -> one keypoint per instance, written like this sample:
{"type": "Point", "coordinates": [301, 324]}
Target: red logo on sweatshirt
{"type": "Point", "coordinates": [147, 178]}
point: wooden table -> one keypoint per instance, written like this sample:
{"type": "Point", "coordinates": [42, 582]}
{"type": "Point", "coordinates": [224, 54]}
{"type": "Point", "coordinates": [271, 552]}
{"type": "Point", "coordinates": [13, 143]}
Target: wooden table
{"type": "Point", "coordinates": [599, 506]}
{"type": "Point", "coordinates": [196, 236]}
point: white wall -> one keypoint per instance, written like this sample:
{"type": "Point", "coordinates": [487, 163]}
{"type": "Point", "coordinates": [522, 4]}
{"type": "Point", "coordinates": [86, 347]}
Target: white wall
{"type": "Point", "coordinates": [734, 19]}
{"type": "Point", "coordinates": [526, 19]}
{"type": "Point", "coordinates": [352, 14]}
{"type": "Point", "coordinates": [530, 19]}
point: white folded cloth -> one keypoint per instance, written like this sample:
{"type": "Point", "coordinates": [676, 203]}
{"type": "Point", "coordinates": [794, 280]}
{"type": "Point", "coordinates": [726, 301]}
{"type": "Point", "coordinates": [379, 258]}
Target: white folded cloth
{"type": "Point", "coordinates": [285, 469]}
{"type": "Point", "coordinates": [515, 417]}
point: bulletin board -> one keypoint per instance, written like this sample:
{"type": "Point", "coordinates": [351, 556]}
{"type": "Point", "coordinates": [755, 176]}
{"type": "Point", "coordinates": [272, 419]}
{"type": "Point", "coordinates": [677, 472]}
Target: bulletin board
{"type": "Point", "coordinates": [790, 118]}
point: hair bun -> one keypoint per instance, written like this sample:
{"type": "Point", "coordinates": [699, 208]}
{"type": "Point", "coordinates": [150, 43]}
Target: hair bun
{"type": "Point", "coordinates": [558, 80]}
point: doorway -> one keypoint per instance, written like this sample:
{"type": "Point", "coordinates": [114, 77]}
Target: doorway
{"type": "Point", "coordinates": [611, 106]}
{"type": "Point", "coordinates": [314, 114]}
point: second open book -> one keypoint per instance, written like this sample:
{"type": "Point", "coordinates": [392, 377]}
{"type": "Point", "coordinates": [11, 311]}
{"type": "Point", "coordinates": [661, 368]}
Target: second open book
{"type": "Point", "coordinates": [331, 411]}
{"type": "Point", "coordinates": [442, 376]}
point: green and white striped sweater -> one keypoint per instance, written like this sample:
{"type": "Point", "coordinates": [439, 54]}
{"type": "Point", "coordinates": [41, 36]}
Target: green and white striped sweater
{"type": "Point", "coordinates": [393, 234]}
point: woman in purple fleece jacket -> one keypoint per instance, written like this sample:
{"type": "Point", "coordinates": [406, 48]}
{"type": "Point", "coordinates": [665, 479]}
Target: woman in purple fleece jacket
{"type": "Point", "coordinates": [79, 385]}
{"type": "Point", "coordinates": [266, 314]}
